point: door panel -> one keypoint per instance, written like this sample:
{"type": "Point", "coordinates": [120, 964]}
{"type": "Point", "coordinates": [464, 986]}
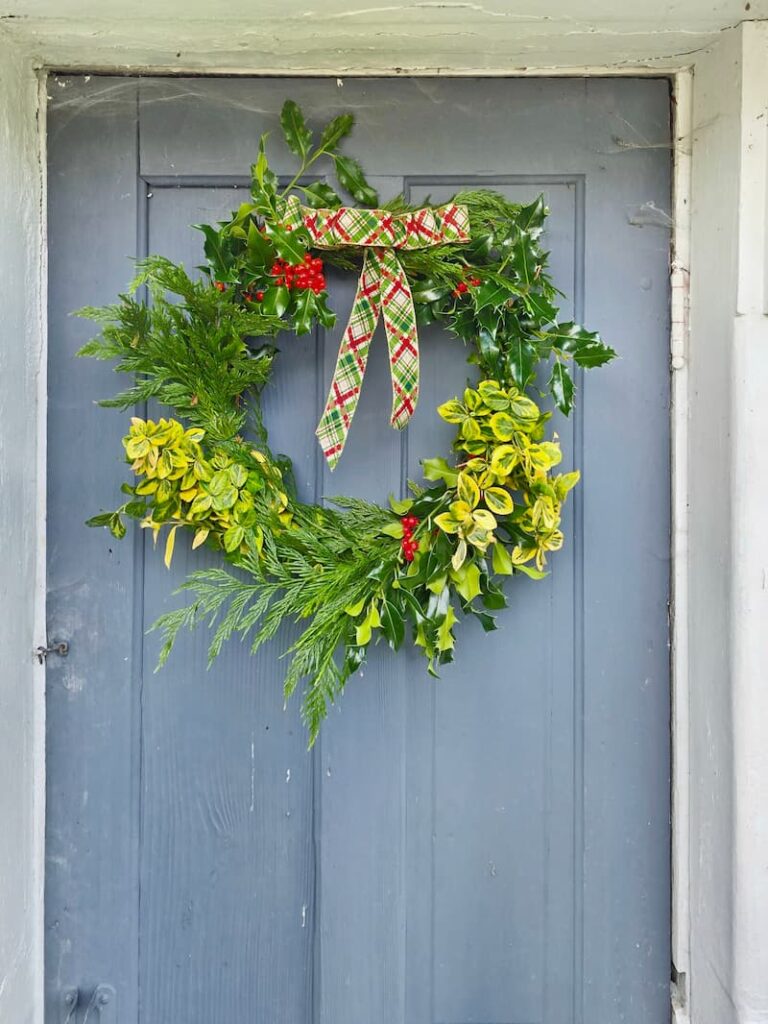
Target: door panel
{"type": "Point", "coordinates": [491, 848]}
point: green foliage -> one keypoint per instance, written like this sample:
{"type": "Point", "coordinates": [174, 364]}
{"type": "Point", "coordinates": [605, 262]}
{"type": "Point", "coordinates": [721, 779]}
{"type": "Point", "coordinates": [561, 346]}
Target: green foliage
{"type": "Point", "coordinates": [350, 574]}
{"type": "Point", "coordinates": [191, 354]}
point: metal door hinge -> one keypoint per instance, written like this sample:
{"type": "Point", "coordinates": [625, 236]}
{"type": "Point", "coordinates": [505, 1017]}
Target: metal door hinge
{"type": "Point", "coordinates": [60, 647]}
{"type": "Point", "coordinates": [101, 1008]}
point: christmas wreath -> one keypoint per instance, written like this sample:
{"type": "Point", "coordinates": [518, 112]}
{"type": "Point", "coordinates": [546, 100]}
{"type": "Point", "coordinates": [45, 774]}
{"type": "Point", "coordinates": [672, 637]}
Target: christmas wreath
{"type": "Point", "coordinates": [349, 572]}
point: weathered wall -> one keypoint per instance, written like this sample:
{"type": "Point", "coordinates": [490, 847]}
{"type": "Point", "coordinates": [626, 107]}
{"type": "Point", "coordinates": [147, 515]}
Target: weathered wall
{"type": "Point", "coordinates": [21, 509]}
{"type": "Point", "coordinates": [728, 550]}
{"type": "Point", "coordinates": [457, 36]}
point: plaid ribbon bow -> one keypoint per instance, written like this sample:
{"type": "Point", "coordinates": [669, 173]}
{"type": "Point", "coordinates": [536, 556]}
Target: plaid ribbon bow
{"type": "Point", "coordinates": [382, 289]}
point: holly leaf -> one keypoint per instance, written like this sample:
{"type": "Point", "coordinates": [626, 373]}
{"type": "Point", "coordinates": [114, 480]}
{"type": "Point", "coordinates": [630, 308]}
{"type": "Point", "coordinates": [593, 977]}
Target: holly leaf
{"type": "Point", "coordinates": [493, 293]}
{"type": "Point", "coordinates": [303, 312]}
{"type": "Point", "coordinates": [261, 173]}
{"type": "Point", "coordinates": [524, 259]}
{"type": "Point", "coordinates": [428, 291]}
{"type": "Point", "coordinates": [335, 131]}
{"type": "Point", "coordinates": [217, 252]}
{"type": "Point", "coordinates": [288, 244]}
{"type": "Point", "coordinates": [297, 136]}
{"type": "Point", "coordinates": [561, 388]}
{"type": "Point", "coordinates": [260, 253]}
{"type": "Point", "coordinates": [586, 347]}
{"type": "Point", "coordinates": [521, 359]}
{"type": "Point", "coordinates": [320, 194]}
{"type": "Point", "coordinates": [276, 300]}
{"type": "Point", "coordinates": [392, 624]}
{"type": "Point", "coordinates": [531, 218]}
{"type": "Point", "coordinates": [597, 354]}
{"type": "Point", "coordinates": [352, 178]}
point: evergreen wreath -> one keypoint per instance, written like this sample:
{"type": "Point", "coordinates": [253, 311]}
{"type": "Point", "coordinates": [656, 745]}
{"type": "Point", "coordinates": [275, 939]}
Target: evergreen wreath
{"type": "Point", "coordinates": [352, 572]}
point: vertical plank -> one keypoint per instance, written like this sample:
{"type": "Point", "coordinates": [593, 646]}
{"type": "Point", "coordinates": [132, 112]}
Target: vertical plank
{"type": "Point", "coordinates": [361, 954]}
{"type": "Point", "coordinates": [92, 695]}
{"type": "Point", "coordinates": [490, 752]}
{"type": "Point", "coordinates": [626, 559]}
{"type": "Point", "coordinates": [226, 862]}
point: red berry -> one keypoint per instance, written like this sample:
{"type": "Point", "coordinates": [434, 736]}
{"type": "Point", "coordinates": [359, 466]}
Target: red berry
{"type": "Point", "coordinates": [475, 281]}
{"type": "Point", "coordinates": [220, 286]}
{"type": "Point", "coordinates": [259, 296]}
{"type": "Point", "coordinates": [461, 287]}
{"type": "Point", "coordinates": [289, 227]}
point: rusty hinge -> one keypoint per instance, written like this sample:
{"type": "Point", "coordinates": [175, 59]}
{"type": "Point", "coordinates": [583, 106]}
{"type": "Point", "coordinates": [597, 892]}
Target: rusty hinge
{"type": "Point", "coordinates": [60, 647]}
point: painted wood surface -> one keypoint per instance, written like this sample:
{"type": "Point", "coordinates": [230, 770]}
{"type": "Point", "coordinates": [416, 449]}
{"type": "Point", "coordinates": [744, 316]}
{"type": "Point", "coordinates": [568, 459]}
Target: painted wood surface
{"type": "Point", "coordinates": [489, 849]}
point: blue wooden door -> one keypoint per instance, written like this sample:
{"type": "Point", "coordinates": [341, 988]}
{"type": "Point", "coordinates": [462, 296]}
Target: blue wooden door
{"type": "Point", "coordinates": [492, 848]}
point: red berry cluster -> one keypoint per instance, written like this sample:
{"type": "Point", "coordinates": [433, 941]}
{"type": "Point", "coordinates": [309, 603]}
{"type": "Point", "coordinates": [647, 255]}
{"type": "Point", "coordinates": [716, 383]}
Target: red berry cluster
{"type": "Point", "coordinates": [308, 274]}
{"type": "Point", "coordinates": [462, 287]}
{"type": "Point", "coordinates": [409, 545]}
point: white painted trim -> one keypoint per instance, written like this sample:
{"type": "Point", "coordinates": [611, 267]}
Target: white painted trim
{"type": "Point", "coordinates": [22, 527]}
{"type": "Point", "coordinates": [680, 295]}
{"type": "Point", "coordinates": [41, 564]}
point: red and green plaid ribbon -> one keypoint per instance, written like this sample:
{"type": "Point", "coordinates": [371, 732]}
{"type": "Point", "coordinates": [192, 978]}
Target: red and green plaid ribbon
{"type": "Point", "coordinates": [382, 289]}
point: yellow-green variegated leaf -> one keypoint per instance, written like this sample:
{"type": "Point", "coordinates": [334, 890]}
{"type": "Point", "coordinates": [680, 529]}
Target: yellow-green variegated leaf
{"type": "Point", "coordinates": [521, 555]}
{"type": "Point", "coordinates": [565, 483]}
{"type": "Point", "coordinates": [169, 545]}
{"type": "Point", "coordinates": [233, 538]}
{"type": "Point", "coordinates": [459, 555]}
{"type": "Point", "coordinates": [447, 523]}
{"type": "Point", "coordinates": [480, 538]}
{"type": "Point", "coordinates": [136, 447]}
{"type": "Point", "coordinates": [523, 409]}
{"type": "Point", "coordinates": [467, 490]}
{"type": "Point", "coordinates": [452, 411]}
{"type": "Point", "coordinates": [493, 396]}
{"type": "Point", "coordinates": [545, 455]}
{"type": "Point", "coordinates": [471, 399]}
{"type": "Point", "coordinates": [470, 429]}
{"type": "Point", "coordinates": [201, 536]}
{"type": "Point", "coordinates": [503, 426]}
{"type": "Point", "coordinates": [484, 519]}
{"type": "Point", "coordinates": [504, 458]}
{"type": "Point", "coordinates": [200, 505]}
{"type": "Point", "coordinates": [498, 501]}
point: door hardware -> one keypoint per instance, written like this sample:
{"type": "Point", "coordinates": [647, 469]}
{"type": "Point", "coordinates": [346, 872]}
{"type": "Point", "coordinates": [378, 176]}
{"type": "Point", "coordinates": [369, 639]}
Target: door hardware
{"type": "Point", "coordinates": [60, 647]}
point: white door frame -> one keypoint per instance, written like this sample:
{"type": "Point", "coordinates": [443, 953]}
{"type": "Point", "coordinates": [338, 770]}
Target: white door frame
{"type": "Point", "coordinates": [720, 775]}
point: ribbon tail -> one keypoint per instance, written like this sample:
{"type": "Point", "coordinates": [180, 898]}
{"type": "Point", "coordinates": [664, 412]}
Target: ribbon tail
{"type": "Point", "coordinates": [402, 338]}
{"type": "Point", "coordinates": [344, 394]}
